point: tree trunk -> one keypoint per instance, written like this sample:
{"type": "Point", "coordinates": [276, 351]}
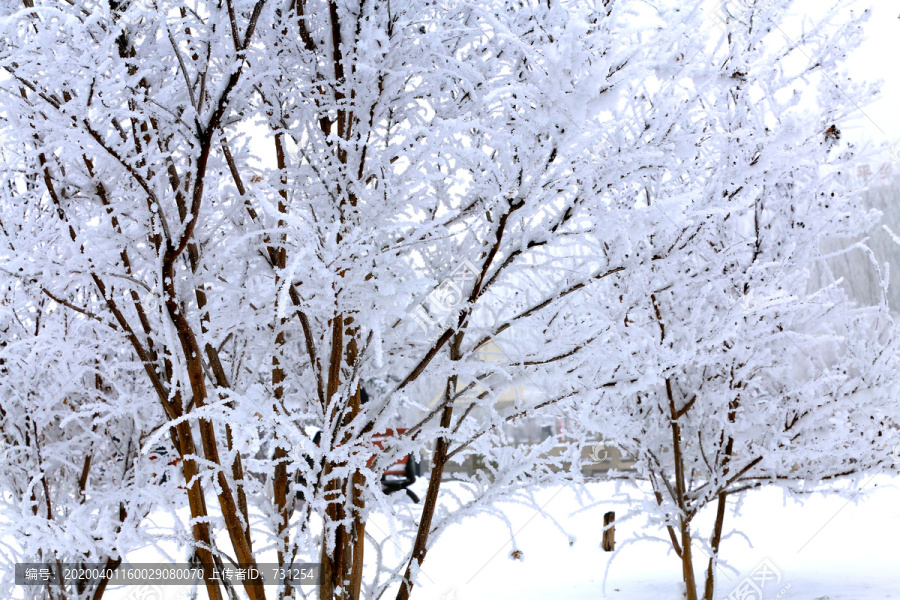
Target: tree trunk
{"type": "Point", "coordinates": [333, 562]}
{"type": "Point", "coordinates": [434, 485]}
{"type": "Point", "coordinates": [197, 503]}
{"type": "Point", "coordinates": [716, 540]}
{"type": "Point", "coordinates": [687, 562]}
{"type": "Point", "coordinates": [333, 567]}
{"type": "Point", "coordinates": [358, 536]}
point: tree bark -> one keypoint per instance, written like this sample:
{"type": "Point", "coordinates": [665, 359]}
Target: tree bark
{"type": "Point", "coordinates": [196, 379]}
{"type": "Point", "coordinates": [434, 485]}
{"type": "Point", "coordinates": [358, 536]}
{"type": "Point", "coordinates": [716, 540]}
{"type": "Point", "coordinates": [335, 488]}
{"type": "Point", "coordinates": [197, 503]}
{"type": "Point", "coordinates": [687, 563]}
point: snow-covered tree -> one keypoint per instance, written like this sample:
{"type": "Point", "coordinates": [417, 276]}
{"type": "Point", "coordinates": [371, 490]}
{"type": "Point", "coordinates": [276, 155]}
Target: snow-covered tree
{"type": "Point", "coordinates": [222, 218]}
{"type": "Point", "coordinates": [227, 214]}
{"type": "Point", "coordinates": [749, 374]}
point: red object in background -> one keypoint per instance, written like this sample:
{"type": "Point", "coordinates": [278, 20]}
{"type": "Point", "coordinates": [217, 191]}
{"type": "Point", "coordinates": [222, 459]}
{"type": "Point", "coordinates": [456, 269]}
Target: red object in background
{"type": "Point", "coordinates": [161, 453]}
{"type": "Point", "coordinates": [400, 474]}
{"type": "Point", "coordinates": [398, 468]}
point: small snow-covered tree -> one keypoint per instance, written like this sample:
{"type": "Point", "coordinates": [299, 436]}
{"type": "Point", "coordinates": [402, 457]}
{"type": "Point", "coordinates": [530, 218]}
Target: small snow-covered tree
{"type": "Point", "coordinates": [749, 375]}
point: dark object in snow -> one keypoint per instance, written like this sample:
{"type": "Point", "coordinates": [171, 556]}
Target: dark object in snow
{"type": "Point", "coordinates": [517, 555]}
{"type": "Point", "coordinates": [398, 476]}
{"type": "Point", "coordinates": [159, 452]}
{"type": "Point", "coordinates": [401, 474]}
{"type": "Point", "coordinates": [609, 532]}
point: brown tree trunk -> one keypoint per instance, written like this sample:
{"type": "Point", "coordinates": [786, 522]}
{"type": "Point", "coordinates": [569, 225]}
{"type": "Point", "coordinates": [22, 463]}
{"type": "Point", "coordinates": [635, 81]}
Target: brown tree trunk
{"type": "Point", "coordinates": [197, 503]}
{"type": "Point", "coordinates": [716, 540]}
{"type": "Point", "coordinates": [333, 560]}
{"type": "Point", "coordinates": [358, 536]}
{"type": "Point", "coordinates": [343, 568]}
{"type": "Point", "coordinates": [111, 565]}
{"type": "Point", "coordinates": [687, 563]}
{"type": "Point", "coordinates": [434, 485]}
{"type": "Point", "coordinates": [282, 502]}
{"type": "Point", "coordinates": [196, 378]}
{"type": "Point", "coordinates": [356, 485]}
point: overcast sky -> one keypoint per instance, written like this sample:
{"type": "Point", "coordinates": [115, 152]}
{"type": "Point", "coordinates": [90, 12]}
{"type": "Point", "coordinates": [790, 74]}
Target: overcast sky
{"type": "Point", "coordinates": [879, 58]}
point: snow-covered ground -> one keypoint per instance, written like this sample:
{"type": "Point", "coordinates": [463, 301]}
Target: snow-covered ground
{"type": "Point", "coordinates": [826, 548]}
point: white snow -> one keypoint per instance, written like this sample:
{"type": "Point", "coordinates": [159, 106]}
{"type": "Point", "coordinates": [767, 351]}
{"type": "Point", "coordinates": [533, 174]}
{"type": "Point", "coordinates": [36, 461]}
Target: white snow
{"type": "Point", "coordinates": [826, 548]}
